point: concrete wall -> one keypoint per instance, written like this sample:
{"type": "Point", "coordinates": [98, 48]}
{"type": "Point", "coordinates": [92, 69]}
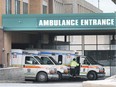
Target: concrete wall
{"type": "Point", "coordinates": [72, 6]}
{"type": "Point", "coordinates": [81, 6]}
{"type": "Point", "coordinates": [11, 75]}
{"type": "Point", "coordinates": [58, 7]}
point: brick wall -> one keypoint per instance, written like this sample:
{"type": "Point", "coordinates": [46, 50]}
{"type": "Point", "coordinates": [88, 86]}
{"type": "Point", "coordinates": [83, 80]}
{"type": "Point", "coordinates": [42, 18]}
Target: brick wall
{"type": "Point", "coordinates": [35, 6]}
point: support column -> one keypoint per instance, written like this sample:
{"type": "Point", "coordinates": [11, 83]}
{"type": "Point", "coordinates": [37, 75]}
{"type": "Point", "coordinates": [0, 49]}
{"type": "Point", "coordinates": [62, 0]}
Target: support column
{"type": "Point", "coordinates": [7, 48]}
{"type": "Point", "coordinates": [83, 46]}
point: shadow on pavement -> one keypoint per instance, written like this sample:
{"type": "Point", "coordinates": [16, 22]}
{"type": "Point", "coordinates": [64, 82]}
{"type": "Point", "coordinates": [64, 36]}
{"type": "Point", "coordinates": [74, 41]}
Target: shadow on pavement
{"type": "Point", "coordinates": [66, 80]}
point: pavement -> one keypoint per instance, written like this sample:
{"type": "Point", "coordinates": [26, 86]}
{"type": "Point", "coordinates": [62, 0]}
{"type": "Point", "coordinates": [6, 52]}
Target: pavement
{"type": "Point", "coordinates": [78, 84]}
{"type": "Point", "coordinates": [51, 83]}
{"type": "Point", "coordinates": [108, 82]}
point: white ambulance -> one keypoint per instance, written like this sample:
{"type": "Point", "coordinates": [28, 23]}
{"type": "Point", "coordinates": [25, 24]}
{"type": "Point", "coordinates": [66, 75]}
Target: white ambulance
{"type": "Point", "coordinates": [33, 67]}
{"type": "Point", "coordinates": [87, 68]}
{"type": "Point", "coordinates": [62, 70]}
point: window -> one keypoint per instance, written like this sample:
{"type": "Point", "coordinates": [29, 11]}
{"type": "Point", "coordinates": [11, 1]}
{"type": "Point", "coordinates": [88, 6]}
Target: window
{"type": "Point", "coordinates": [47, 61]}
{"type": "Point", "coordinates": [8, 6]}
{"type": "Point", "coordinates": [60, 60]}
{"type": "Point", "coordinates": [44, 6]}
{"type": "Point", "coordinates": [90, 39]}
{"type": "Point", "coordinates": [44, 9]}
{"type": "Point", "coordinates": [103, 39]}
{"type": "Point", "coordinates": [30, 60]}
{"type": "Point", "coordinates": [103, 47]}
{"type": "Point", "coordinates": [113, 47]}
{"type": "Point", "coordinates": [17, 7]}
{"type": "Point", "coordinates": [60, 38]}
{"type": "Point", "coordinates": [25, 8]}
{"type": "Point", "coordinates": [90, 47]}
{"type": "Point", "coordinates": [75, 47]}
{"type": "Point", "coordinates": [75, 40]}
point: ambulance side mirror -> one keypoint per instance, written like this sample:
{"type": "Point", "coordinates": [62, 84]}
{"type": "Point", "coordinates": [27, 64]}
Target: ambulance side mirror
{"type": "Point", "coordinates": [60, 62]}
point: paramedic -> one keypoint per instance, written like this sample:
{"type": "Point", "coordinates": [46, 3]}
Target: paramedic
{"type": "Point", "coordinates": [74, 68]}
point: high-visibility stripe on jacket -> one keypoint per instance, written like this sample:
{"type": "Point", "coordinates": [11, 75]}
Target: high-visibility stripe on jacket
{"type": "Point", "coordinates": [74, 64]}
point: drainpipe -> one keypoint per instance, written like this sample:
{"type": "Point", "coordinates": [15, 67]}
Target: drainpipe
{"type": "Point", "coordinates": [3, 60]}
{"type": "Point", "coordinates": [3, 57]}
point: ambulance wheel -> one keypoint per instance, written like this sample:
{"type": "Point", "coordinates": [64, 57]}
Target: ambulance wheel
{"type": "Point", "coordinates": [59, 75]}
{"type": "Point", "coordinates": [42, 77]}
{"type": "Point", "coordinates": [92, 76]}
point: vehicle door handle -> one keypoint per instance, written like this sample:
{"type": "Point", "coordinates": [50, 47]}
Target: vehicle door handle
{"type": "Point", "coordinates": [23, 65]}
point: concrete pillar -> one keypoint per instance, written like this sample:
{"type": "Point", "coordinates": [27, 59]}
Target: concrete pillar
{"type": "Point", "coordinates": [45, 39]}
{"type": "Point", "coordinates": [7, 48]}
{"type": "Point", "coordinates": [83, 46]}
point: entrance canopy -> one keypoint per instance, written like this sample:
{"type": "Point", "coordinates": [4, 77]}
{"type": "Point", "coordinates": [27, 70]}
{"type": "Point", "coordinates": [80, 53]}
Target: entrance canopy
{"type": "Point", "coordinates": [61, 23]}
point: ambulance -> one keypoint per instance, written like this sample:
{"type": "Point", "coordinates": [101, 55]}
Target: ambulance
{"type": "Point", "coordinates": [62, 70]}
{"type": "Point", "coordinates": [33, 67]}
{"type": "Point", "coordinates": [89, 70]}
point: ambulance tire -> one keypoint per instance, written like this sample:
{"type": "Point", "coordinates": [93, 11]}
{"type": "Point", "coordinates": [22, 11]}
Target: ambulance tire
{"type": "Point", "coordinates": [60, 75]}
{"type": "Point", "coordinates": [42, 77]}
{"type": "Point", "coordinates": [92, 75]}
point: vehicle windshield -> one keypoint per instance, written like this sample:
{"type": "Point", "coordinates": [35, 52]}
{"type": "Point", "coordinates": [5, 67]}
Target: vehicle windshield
{"type": "Point", "coordinates": [39, 60]}
{"type": "Point", "coordinates": [47, 61]}
{"type": "Point", "coordinates": [92, 61]}
{"type": "Point", "coordinates": [56, 63]}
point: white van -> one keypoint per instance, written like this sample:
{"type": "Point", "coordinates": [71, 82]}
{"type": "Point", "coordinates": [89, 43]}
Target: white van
{"type": "Point", "coordinates": [87, 69]}
{"type": "Point", "coordinates": [62, 70]}
{"type": "Point", "coordinates": [33, 67]}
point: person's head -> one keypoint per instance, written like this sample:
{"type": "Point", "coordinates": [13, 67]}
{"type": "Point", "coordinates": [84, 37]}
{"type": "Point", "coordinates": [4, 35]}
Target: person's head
{"type": "Point", "coordinates": [74, 59]}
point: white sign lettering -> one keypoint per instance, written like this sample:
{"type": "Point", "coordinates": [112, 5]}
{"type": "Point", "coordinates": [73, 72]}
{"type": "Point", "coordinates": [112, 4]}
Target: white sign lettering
{"type": "Point", "coordinates": [97, 22]}
{"type": "Point", "coordinates": [76, 22]}
{"type": "Point", "coordinates": [58, 22]}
